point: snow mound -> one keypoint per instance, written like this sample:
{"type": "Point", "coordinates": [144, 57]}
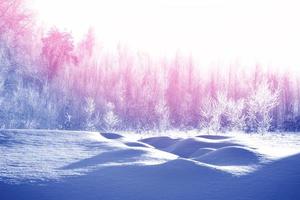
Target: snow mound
{"type": "Point", "coordinates": [111, 135]}
{"type": "Point", "coordinates": [186, 147]}
{"type": "Point", "coordinates": [160, 142]}
{"type": "Point", "coordinates": [232, 155]}
{"type": "Point", "coordinates": [201, 152]}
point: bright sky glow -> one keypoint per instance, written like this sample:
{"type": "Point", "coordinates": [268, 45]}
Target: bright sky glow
{"type": "Point", "coordinates": [265, 31]}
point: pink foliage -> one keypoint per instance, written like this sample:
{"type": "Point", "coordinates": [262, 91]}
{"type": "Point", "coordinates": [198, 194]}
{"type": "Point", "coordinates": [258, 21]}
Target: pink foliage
{"type": "Point", "coordinates": [57, 51]}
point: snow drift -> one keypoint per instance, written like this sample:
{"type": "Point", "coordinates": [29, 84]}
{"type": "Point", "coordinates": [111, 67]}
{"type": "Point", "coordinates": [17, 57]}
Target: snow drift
{"type": "Point", "coordinates": [232, 155]}
{"type": "Point", "coordinates": [46, 165]}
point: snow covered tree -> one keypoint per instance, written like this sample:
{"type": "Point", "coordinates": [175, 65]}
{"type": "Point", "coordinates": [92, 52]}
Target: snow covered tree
{"type": "Point", "coordinates": [41, 87]}
{"type": "Point", "coordinates": [163, 113]}
{"type": "Point", "coordinates": [15, 19]}
{"type": "Point", "coordinates": [207, 113]}
{"type": "Point", "coordinates": [111, 120]}
{"type": "Point", "coordinates": [57, 50]}
{"type": "Point", "coordinates": [87, 45]}
{"type": "Point", "coordinates": [235, 114]}
{"type": "Point", "coordinates": [222, 113]}
{"type": "Point", "coordinates": [66, 118]}
{"type": "Point", "coordinates": [228, 113]}
{"type": "Point", "coordinates": [259, 105]}
{"type": "Point", "coordinates": [91, 118]}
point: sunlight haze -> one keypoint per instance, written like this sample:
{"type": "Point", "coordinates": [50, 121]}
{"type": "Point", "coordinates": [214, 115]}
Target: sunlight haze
{"type": "Point", "coordinates": [265, 31]}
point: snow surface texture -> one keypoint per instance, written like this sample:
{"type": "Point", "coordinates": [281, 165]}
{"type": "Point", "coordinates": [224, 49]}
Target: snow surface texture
{"type": "Point", "coordinates": [87, 165]}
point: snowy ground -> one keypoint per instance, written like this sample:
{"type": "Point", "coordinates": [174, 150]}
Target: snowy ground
{"type": "Point", "coordinates": [177, 165]}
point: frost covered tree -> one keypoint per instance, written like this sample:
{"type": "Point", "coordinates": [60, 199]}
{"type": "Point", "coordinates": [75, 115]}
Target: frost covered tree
{"type": "Point", "coordinates": [207, 113]}
{"type": "Point", "coordinates": [91, 117]}
{"type": "Point", "coordinates": [163, 113]}
{"type": "Point", "coordinates": [259, 105]}
{"type": "Point", "coordinates": [235, 114]}
{"type": "Point", "coordinates": [40, 73]}
{"type": "Point", "coordinates": [15, 19]}
{"type": "Point", "coordinates": [213, 110]}
{"type": "Point", "coordinates": [111, 120]}
{"type": "Point", "coordinates": [222, 113]}
{"type": "Point", "coordinates": [57, 50]}
{"type": "Point", "coordinates": [229, 113]}
{"type": "Point", "coordinates": [66, 118]}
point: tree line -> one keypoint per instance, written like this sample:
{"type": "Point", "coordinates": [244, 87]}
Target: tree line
{"type": "Point", "coordinates": [49, 81]}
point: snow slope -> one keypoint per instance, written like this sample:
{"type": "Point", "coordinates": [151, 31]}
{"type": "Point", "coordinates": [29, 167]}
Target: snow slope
{"type": "Point", "coordinates": [85, 165]}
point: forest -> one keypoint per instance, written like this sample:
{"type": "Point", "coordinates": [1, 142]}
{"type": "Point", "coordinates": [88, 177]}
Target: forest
{"type": "Point", "coordinates": [50, 81]}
